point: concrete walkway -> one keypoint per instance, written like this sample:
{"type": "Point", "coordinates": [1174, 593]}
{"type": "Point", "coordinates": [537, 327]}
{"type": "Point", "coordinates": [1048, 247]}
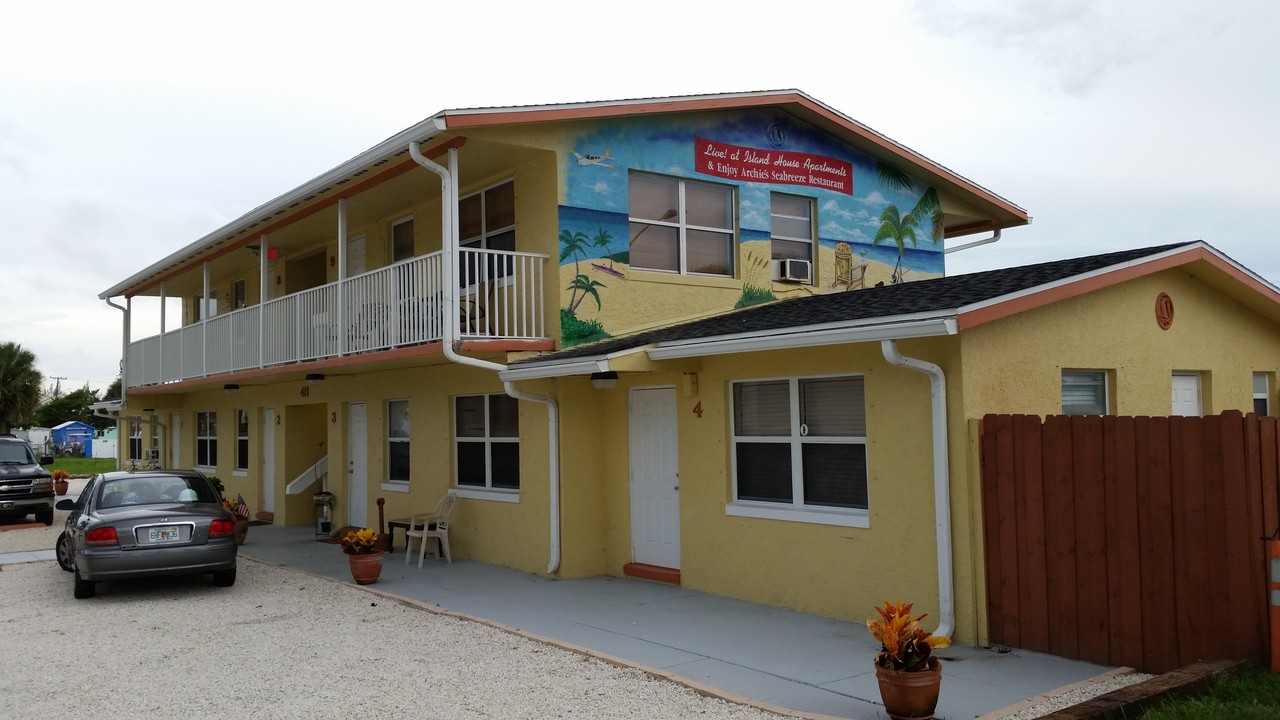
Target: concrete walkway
{"type": "Point", "coordinates": [776, 657]}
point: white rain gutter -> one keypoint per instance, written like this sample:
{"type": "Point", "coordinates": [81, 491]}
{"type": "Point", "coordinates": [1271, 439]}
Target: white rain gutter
{"type": "Point", "coordinates": [449, 325]}
{"type": "Point", "coordinates": [941, 480]}
{"type": "Point", "coordinates": [815, 336]}
{"type": "Point", "coordinates": [124, 350]}
{"type": "Point", "coordinates": [995, 237]}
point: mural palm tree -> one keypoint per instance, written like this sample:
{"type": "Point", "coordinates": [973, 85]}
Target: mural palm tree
{"type": "Point", "coordinates": [586, 286]}
{"type": "Point", "coordinates": [602, 240]}
{"type": "Point", "coordinates": [900, 229]}
{"type": "Point", "coordinates": [928, 206]}
{"type": "Point", "coordinates": [573, 244]}
{"type": "Point", "coordinates": [19, 385]}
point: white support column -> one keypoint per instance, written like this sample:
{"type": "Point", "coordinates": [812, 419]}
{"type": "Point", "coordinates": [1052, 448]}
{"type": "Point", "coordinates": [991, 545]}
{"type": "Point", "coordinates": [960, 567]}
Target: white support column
{"type": "Point", "coordinates": [161, 352]}
{"type": "Point", "coordinates": [202, 312]}
{"type": "Point", "coordinates": [342, 276]}
{"type": "Point", "coordinates": [264, 284]}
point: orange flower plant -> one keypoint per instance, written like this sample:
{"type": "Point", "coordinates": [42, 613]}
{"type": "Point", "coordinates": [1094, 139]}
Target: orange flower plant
{"type": "Point", "coordinates": [904, 645]}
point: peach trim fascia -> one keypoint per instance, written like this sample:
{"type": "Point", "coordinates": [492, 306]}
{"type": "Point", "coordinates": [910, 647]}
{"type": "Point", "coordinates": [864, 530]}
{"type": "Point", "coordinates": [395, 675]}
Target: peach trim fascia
{"type": "Point", "coordinates": [347, 361]}
{"type": "Point", "coordinates": [464, 119]}
{"type": "Point", "coordinates": [1057, 293]}
{"type": "Point", "coordinates": [315, 207]}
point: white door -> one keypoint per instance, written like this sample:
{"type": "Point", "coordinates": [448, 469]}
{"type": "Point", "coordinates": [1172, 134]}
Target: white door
{"type": "Point", "coordinates": [355, 256]}
{"type": "Point", "coordinates": [655, 479]}
{"type": "Point", "coordinates": [357, 465]}
{"type": "Point", "coordinates": [1186, 394]}
{"type": "Point", "coordinates": [175, 444]}
{"type": "Point", "coordinates": [269, 460]}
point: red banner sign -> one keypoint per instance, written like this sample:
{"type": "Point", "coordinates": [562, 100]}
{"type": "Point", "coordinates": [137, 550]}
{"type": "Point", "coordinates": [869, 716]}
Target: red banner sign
{"type": "Point", "coordinates": [736, 162]}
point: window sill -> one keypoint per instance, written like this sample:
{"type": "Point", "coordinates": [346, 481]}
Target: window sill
{"type": "Point", "coordinates": [205, 469]}
{"type": "Point", "coordinates": [399, 487]}
{"type": "Point", "coordinates": [674, 278]}
{"type": "Point", "coordinates": [842, 518]}
{"type": "Point", "coordinates": [240, 473]}
{"type": "Point", "coordinates": [475, 493]}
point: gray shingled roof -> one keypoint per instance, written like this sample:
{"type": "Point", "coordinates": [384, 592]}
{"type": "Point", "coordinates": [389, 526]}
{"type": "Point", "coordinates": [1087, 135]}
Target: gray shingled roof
{"type": "Point", "coordinates": [923, 296]}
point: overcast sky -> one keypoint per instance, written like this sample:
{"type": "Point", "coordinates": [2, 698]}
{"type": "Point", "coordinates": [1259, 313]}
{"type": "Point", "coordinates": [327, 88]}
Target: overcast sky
{"type": "Point", "coordinates": [130, 129]}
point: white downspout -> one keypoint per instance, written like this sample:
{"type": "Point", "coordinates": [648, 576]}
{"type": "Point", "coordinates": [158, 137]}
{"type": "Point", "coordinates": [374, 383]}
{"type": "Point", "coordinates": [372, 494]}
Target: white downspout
{"type": "Point", "coordinates": [941, 481]}
{"type": "Point", "coordinates": [995, 237]}
{"type": "Point", "coordinates": [124, 352]}
{"type": "Point", "coordinates": [449, 330]}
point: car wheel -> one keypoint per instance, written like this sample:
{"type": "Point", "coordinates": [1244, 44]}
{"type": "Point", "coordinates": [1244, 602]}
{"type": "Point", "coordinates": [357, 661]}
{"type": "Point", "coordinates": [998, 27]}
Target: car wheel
{"type": "Point", "coordinates": [45, 516]}
{"type": "Point", "coordinates": [66, 556]}
{"type": "Point", "coordinates": [84, 588]}
{"type": "Point", "coordinates": [224, 578]}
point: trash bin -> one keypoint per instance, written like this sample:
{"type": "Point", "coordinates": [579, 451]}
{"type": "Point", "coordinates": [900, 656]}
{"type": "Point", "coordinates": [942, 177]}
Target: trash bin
{"type": "Point", "coordinates": [322, 512]}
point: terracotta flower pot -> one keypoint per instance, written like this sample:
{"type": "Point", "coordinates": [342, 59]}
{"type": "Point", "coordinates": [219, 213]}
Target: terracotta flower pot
{"type": "Point", "coordinates": [365, 567]}
{"type": "Point", "coordinates": [60, 487]}
{"type": "Point", "coordinates": [909, 695]}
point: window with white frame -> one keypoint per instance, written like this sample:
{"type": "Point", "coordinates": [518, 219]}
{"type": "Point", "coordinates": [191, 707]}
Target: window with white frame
{"type": "Point", "coordinates": [402, 240]}
{"type": "Point", "coordinates": [242, 440]}
{"type": "Point", "coordinates": [801, 442]}
{"type": "Point", "coordinates": [135, 438]}
{"type": "Point", "coordinates": [681, 226]}
{"type": "Point", "coordinates": [486, 221]}
{"type": "Point", "coordinates": [1262, 394]}
{"type": "Point", "coordinates": [206, 439]}
{"type": "Point", "coordinates": [487, 435]}
{"type": "Point", "coordinates": [205, 308]}
{"type": "Point", "coordinates": [398, 439]}
{"type": "Point", "coordinates": [791, 226]}
{"type": "Point", "coordinates": [1084, 392]}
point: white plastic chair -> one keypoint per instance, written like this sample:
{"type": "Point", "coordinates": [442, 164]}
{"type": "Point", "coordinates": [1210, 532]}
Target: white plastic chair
{"type": "Point", "coordinates": [433, 525]}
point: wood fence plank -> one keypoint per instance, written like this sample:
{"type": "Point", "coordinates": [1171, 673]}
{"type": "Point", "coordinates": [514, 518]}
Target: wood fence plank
{"type": "Point", "coordinates": [1091, 539]}
{"type": "Point", "coordinates": [1190, 536]}
{"type": "Point", "coordinates": [1007, 532]}
{"type": "Point", "coordinates": [1155, 530]}
{"type": "Point", "coordinates": [1060, 538]}
{"type": "Point", "coordinates": [1124, 570]}
{"type": "Point", "coordinates": [1213, 555]}
{"type": "Point", "coordinates": [991, 522]}
{"type": "Point", "coordinates": [1033, 591]}
{"type": "Point", "coordinates": [1246, 637]}
{"type": "Point", "coordinates": [1269, 472]}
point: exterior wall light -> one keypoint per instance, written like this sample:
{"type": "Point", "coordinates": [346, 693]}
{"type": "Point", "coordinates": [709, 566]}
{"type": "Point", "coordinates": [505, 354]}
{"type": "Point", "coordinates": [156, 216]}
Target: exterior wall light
{"type": "Point", "coordinates": [604, 380]}
{"type": "Point", "coordinates": [315, 378]}
{"type": "Point", "coordinates": [230, 388]}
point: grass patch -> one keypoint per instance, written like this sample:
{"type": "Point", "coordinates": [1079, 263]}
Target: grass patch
{"type": "Point", "coordinates": [83, 465]}
{"type": "Point", "coordinates": [1251, 694]}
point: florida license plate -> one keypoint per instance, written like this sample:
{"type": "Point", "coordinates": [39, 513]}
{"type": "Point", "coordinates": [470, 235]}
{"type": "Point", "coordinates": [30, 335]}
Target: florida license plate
{"type": "Point", "coordinates": [164, 534]}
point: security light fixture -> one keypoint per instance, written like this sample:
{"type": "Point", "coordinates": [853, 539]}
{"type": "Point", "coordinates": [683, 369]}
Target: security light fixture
{"type": "Point", "coordinates": [230, 388]}
{"type": "Point", "coordinates": [604, 380]}
{"type": "Point", "coordinates": [315, 378]}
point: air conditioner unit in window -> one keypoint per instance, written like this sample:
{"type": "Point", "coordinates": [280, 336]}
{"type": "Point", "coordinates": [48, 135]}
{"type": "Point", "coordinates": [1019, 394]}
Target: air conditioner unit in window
{"type": "Point", "coordinates": [797, 271]}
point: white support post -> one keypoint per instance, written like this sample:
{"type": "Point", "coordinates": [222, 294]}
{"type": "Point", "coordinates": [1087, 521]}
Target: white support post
{"type": "Point", "coordinates": [263, 286]}
{"type": "Point", "coordinates": [342, 276]}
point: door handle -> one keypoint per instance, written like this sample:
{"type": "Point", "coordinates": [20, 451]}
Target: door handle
{"type": "Point", "coordinates": [676, 488]}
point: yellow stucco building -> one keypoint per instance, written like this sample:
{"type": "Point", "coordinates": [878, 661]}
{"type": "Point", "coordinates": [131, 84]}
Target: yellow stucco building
{"type": "Point", "coordinates": [705, 340]}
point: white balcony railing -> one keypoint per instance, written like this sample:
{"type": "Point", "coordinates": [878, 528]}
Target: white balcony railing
{"type": "Point", "coordinates": [500, 297]}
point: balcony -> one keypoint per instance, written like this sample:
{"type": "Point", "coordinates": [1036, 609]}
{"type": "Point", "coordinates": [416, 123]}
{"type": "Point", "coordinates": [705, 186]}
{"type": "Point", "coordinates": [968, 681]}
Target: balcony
{"type": "Point", "coordinates": [500, 297]}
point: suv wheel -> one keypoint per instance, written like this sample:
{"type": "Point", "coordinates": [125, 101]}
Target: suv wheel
{"type": "Point", "coordinates": [66, 556]}
{"type": "Point", "coordinates": [45, 516]}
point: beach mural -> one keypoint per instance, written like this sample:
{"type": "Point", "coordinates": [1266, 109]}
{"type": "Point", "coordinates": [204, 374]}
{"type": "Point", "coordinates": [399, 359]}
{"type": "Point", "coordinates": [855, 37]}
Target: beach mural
{"type": "Point", "coordinates": [874, 223]}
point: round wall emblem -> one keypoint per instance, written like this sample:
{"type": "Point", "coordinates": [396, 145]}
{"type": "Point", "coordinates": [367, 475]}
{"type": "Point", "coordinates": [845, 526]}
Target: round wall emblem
{"type": "Point", "coordinates": [1164, 311]}
{"type": "Point", "coordinates": [776, 135]}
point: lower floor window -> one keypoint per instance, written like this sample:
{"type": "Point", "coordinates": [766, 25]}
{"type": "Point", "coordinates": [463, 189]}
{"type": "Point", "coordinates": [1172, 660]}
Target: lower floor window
{"type": "Point", "coordinates": [206, 439]}
{"type": "Point", "coordinates": [487, 435]}
{"type": "Point", "coordinates": [398, 441]}
{"type": "Point", "coordinates": [801, 442]}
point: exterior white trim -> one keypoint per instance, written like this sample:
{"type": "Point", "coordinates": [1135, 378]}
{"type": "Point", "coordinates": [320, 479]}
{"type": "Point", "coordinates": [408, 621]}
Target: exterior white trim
{"type": "Point", "coordinates": [471, 493]}
{"type": "Point", "coordinates": [768, 511]}
{"type": "Point", "coordinates": [874, 330]}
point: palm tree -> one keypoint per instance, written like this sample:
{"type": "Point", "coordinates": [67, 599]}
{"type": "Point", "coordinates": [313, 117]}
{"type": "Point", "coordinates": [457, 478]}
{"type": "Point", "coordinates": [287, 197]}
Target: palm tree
{"type": "Point", "coordinates": [602, 240]}
{"type": "Point", "coordinates": [898, 228]}
{"type": "Point", "coordinates": [928, 206]}
{"type": "Point", "coordinates": [586, 286]}
{"type": "Point", "coordinates": [19, 385]}
{"type": "Point", "coordinates": [573, 244]}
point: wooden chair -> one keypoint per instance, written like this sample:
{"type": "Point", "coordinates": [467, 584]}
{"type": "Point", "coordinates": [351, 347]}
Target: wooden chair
{"type": "Point", "coordinates": [433, 525]}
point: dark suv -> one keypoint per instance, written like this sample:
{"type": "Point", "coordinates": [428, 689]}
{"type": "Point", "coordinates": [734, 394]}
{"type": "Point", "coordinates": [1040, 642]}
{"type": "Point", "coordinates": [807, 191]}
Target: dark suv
{"type": "Point", "coordinates": [25, 487]}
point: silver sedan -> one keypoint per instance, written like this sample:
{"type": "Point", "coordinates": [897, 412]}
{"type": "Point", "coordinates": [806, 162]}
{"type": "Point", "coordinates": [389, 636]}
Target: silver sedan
{"type": "Point", "coordinates": [141, 524]}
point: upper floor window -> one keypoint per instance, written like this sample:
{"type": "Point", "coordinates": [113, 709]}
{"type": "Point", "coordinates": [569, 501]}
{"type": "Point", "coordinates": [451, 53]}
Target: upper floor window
{"type": "Point", "coordinates": [801, 442]}
{"type": "Point", "coordinates": [1262, 394]}
{"type": "Point", "coordinates": [402, 240]}
{"type": "Point", "coordinates": [486, 221]}
{"type": "Point", "coordinates": [487, 432]}
{"type": "Point", "coordinates": [791, 226]}
{"type": "Point", "coordinates": [681, 226]}
{"type": "Point", "coordinates": [1084, 392]}
{"type": "Point", "coordinates": [206, 439]}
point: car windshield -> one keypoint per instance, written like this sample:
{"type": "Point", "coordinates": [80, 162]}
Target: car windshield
{"type": "Point", "coordinates": [15, 453]}
{"type": "Point", "coordinates": [155, 489]}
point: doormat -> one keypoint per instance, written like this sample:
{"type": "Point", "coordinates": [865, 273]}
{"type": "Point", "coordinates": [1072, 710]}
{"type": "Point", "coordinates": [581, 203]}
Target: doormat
{"type": "Point", "coordinates": [330, 540]}
{"type": "Point", "coordinates": [256, 523]}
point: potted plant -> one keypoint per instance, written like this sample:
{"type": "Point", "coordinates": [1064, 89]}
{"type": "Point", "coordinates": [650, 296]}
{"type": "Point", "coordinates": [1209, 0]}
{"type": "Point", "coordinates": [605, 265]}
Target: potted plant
{"type": "Point", "coordinates": [909, 675]}
{"type": "Point", "coordinates": [363, 553]}
{"type": "Point", "coordinates": [241, 517]}
{"type": "Point", "coordinates": [60, 482]}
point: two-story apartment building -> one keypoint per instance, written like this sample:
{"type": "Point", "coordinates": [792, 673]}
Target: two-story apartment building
{"type": "Point", "coordinates": [657, 337]}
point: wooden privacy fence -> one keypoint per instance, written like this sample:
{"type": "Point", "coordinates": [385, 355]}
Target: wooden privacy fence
{"type": "Point", "coordinates": [1130, 540]}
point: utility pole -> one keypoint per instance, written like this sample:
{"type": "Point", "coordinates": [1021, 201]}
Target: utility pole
{"type": "Point", "coordinates": [57, 387]}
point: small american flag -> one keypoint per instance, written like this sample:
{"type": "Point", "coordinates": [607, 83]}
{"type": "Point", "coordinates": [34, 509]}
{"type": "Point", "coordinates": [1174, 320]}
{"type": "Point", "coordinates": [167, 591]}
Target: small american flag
{"type": "Point", "coordinates": [242, 508]}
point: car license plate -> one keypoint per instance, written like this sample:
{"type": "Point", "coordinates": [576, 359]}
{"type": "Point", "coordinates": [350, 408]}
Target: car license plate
{"type": "Point", "coordinates": [164, 534]}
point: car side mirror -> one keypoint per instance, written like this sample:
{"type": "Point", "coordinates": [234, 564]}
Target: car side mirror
{"type": "Point", "coordinates": [67, 504]}
{"type": "Point", "coordinates": [46, 459]}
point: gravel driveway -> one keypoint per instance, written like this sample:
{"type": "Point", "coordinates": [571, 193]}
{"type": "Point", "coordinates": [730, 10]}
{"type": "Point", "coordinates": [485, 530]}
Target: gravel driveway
{"type": "Point", "coordinates": [284, 644]}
